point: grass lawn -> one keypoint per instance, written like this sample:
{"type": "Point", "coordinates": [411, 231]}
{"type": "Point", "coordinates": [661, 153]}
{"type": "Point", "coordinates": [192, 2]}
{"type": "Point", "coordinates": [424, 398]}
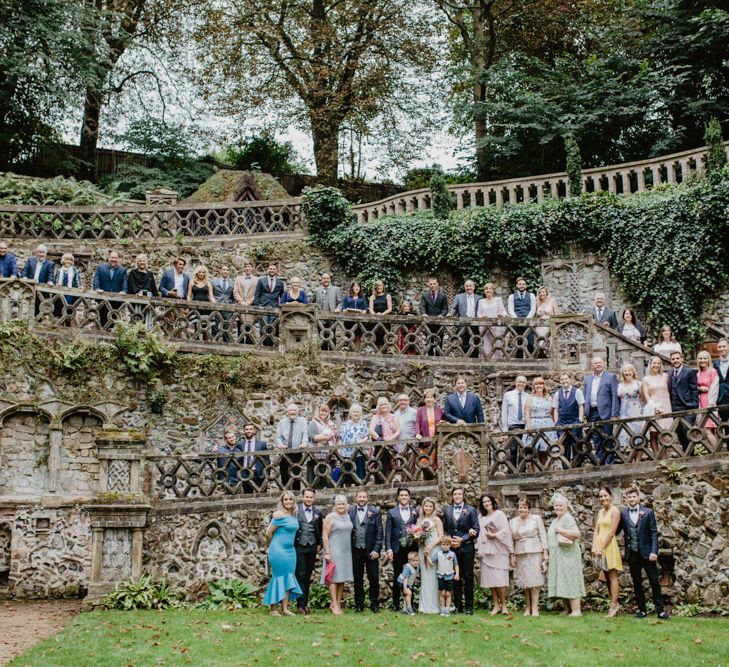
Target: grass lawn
{"type": "Point", "coordinates": [184, 637]}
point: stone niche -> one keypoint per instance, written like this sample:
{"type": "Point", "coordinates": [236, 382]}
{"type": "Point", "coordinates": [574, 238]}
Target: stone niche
{"type": "Point", "coordinates": [24, 451]}
{"type": "Point", "coordinates": [79, 474]}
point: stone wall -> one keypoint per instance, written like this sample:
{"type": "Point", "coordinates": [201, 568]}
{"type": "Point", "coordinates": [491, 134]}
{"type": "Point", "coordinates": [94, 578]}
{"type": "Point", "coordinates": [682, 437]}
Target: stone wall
{"type": "Point", "coordinates": [24, 448]}
{"type": "Point", "coordinates": [79, 455]}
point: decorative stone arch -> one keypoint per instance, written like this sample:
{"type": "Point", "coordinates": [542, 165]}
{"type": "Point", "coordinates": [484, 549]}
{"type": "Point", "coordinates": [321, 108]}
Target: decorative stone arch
{"type": "Point", "coordinates": [85, 410]}
{"type": "Point", "coordinates": [212, 530]}
{"type": "Point", "coordinates": [78, 462]}
{"type": "Point", "coordinates": [25, 450]}
{"type": "Point", "coordinates": [230, 418]}
{"type": "Point", "coordinates": [212, 551]}
{"type": "Point", "coordinates": [17, 301]}
{"type": "Point", "coordinates": [339, 406]}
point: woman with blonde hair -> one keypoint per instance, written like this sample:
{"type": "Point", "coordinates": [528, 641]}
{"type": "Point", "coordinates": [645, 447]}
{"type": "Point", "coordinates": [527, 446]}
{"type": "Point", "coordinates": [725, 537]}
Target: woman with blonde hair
{"type": "Point", "coordinates": [656, 397]}
{"type": "Point", "coordinates": [605, 549]}
{"type": "Point", "coordinates": [546, 308]}
{"type": "Point", "coordinates": [631, 405]}
{"type": "Point", "coordinates": [66, 276]}
{"type": "Point", "coordinates": [280, 536]}
{"type": "Point", "coordinates": [429, 601]}
{"type": "Point", "coordinates": [707, 379]}
{"type": "Point", "coordinates": [538, 413]}
{"type": "Point", "coordinates": [200, 289]}
{"type": "Point", "coordinates": [492, 307]}
{"type": "Point", "coordinates": [337, 539]}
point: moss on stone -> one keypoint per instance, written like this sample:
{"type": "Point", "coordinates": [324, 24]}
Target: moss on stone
{"type": "Point", "coordinates": [225, 185]}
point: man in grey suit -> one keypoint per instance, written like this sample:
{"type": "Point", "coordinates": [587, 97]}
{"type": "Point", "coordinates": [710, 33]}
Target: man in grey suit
{"type": "Point", "coordinates": [328, 297]}
{"type": "Point", "coordinates": [602, 313]}
{"type": "Point", "coordinates": [600, 389]}
{"type": "Point", "coordinates": [466, 305]}
{"type": "Point", "coordinates": [223, 293]}
{"type": "Point", "coordinates": [292, 432]}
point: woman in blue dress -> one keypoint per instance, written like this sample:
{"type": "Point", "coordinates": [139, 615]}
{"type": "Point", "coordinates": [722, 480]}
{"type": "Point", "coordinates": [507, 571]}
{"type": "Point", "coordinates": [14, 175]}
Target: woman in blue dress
{"type": "Point", "coordinates": [538, 414]}
{"type": "Point", "coordinates": [280, 534]}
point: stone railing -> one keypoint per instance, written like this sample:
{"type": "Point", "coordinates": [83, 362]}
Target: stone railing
{"type": "Point", "coordinates": [450, 337]}
{"type": "Point", "coordinates": [627, 178]}
{"type": "Point", "coordinates": [672, 436]}
{"type": "Point", "coordinates": [215, 475]}
{"type": "Point", "coordinates": [562, 343]}
{"type": "Point", "coordinates": [148, 222]}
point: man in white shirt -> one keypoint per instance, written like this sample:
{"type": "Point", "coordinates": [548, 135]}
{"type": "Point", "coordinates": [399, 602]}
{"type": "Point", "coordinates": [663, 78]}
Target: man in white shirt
{"type": "Point", "coordinates": [466, 305]}
{"type": "Point", "coordinates": [406, 416]}
{"type": "Point", "coordinates": [512, 414]}
{"type": "Point", "coordinates": [522, 304]}
{"type": "Point", "coordinates": [292, 432]}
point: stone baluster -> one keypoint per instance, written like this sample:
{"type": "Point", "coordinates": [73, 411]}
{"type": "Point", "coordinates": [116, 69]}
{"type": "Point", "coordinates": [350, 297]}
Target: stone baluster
{"type": "Point", "coordinates": [624, 177]}
{"type": "Point", "coordinates": [499, 197]}
{"type": "Point", "coordinates": [512, 189]}
{"type": "Point", "coordinates": [611, 179]}
{"type": "Point", "coordinates": [671, 172]}
{"type": "Point", "coordinates": [17, 301]}
{"type": "Point", "coordinates": [554, 188]}
{"type": "Point", "coordinates": [459, 199]}
{"type": "Point", "coordinates": [540, 192]}
{"type": "Point", "coordinates": [685, 169]}
{"type": "Point", "coordinates": [361, 215]}
{"type": "Point", "coordinates": [640, 173]}
{"type": "Point", "coordinates": [410, 204]}
{"type": "Point", "coordinates": [656, 171]}
{"type": "Point", "coordinates": [422, 202]}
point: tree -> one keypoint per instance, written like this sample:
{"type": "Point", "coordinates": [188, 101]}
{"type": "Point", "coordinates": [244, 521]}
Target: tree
{"type": "Point", "coordinates": [313, 62]}
{"type": "Point", "coordinates": [716, 157]}
{"type": "Point", "coordinates": [487, 30]}
{"type": "Point", "coordinates": [442, 200]}
{"type": "Point", "coordinates": [573, 166]}
{"type": "Point", "coordinates": [42, 66]}
{"type": "Point", "coordinates": [264, 154]}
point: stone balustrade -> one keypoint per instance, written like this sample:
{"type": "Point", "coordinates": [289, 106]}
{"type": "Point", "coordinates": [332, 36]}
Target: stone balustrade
{"type": "Point", "coordinates": [627, 178]}
{"type": "Point", "coordinates": [149, 222]}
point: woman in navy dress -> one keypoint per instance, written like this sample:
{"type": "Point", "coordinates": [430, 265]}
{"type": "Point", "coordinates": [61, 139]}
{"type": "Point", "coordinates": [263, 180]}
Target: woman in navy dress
{"type": "Point", "coordinates": [281, 533]}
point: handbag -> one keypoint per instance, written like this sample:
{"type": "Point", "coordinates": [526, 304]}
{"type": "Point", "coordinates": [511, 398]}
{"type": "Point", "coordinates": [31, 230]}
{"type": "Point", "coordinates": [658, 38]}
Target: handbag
{"type": "Point", "coordinates": [564, 541]}
{"type": "Point", "coordinates": [329, 572]}
{"type": "Point", "coordinates": [600, 563]}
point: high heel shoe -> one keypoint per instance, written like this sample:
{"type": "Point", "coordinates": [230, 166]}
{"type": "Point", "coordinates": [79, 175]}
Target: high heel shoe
{"type": "Point", "coordinates": [495, 611]}
{"type": "Point", "coordinates": [613, 611]}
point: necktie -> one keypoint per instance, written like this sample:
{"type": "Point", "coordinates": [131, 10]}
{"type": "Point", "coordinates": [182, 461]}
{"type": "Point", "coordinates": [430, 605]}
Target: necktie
{"type": "Point", "coordinates": [599, 314]}
{"type": "Point", "coordinates": [520, 410]}
{"type": "Point", "coordinates": [307, 513]}
{"type": "Point", "coordinates": [462, 399]}
{"type": "Point", "coordinates": [566, 394]}
{"type": "Point", "coordinates": [634, 515]}
{"type": "Point", "coordinates": [432, 295]}
{"type": "Point", "coordinates": [225, 285]}
{"type": "Point", "coordinates": [291, 434]}
{"type": "Point", "coordinates": [249, 448]}
{"type": "Point", "coordinates": [111, 274]}
{"type": "Point", "coordinates": [675, 373]}
{"type": "Point", "coordinates": [457, 512]}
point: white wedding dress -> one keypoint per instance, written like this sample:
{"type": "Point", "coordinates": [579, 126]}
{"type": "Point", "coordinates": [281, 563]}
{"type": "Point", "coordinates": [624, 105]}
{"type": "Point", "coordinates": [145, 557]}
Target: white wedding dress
{"type": "Point", "coordinates": [429, 600]}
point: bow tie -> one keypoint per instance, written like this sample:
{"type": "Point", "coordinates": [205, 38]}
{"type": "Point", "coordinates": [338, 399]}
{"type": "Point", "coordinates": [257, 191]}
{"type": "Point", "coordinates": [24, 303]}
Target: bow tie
{"type": "Point", "coordinates": [459, 508]}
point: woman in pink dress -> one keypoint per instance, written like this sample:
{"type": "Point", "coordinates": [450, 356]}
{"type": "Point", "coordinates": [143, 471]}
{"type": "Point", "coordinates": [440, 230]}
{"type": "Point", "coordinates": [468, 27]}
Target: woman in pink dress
{"type": "Point", "coordinates": [707, 379]}
{"type": "Point", "coordinates": [656, 397]}
{"type": "Point", "coordinates": [495, 546]}
{"type": "Point", "coordinates": [493, 307]}
{"type": "Point", "coordinates": [546, 308]}
{"type": "Point", "coordinates": [384, 426]}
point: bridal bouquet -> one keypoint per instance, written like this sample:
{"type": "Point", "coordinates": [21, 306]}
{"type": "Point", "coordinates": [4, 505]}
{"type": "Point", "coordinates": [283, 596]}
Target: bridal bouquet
{"type": "Point", "coordinates": [418, 533]}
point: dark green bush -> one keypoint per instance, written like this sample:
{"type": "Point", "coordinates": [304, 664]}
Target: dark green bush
{"type": "Point", "coordinates": [325, 209]}
{"type": "Point", "coordinates": [230, 594]}
{"type": "Point", "coordinates": [573, 165]}
{"type": "Point", "coordinates": [716, 157]}
{"type": "Point", "coordinates": [141, 594]}
{"type": "Point", "coordinates": [135, 179]}
{"type": "Point", "coordinates": [442, 201]}
{"type": "Point", "coordinates": [264, 154]}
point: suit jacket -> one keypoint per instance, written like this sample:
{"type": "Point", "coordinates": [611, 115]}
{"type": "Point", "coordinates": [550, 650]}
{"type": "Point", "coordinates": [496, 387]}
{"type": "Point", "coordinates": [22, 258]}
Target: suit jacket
{"type": "Point", "coordinates": [318, 524]}
{"type": "Point", "coordinates": [609, 317]}
{"type": "Point", "coordinates": [471, 414]}
{"type": "Point", "coordinates": [329, 302]}
{"type": "Point", "coordinates": [433, 307]}
{"type": "Point", "coordinates": [460, 528]}
{"type": "Point", "coordinates": [392, 528]}
{"type": "Point", "coordinates": [243, 296]}
{"type": "Point", "coordinates": [221, 295]}
{"type": "Point", "coordinates": [104, 281]}
{"type": "Point", "coordinates": [259, 463]}
{"type": "Point", "coordinates": [167, 282]}
{"type": "Point", "coordinates": [264, 297]}
{"type": "Point", "coordinates": [684, 390]}
{"type": "Point", "coordinates": [608, 403]}
{"type": "Point", "coordinates": [647, 530]}
{"type": "Point", "coordinates": [460, 305]}
{"type": "Point", "coordinates": [8, 265]}
{"type": "Point", "coordinates": [46, 272]}
{"type": "Point", "coordinates": [723, 397]}
{"type": "Point", "coordinates": [373, 528]}
{"type": "Point", "coordinates": [421, 420]}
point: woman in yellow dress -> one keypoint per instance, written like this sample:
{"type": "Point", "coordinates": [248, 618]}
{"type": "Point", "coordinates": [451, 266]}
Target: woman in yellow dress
{"type": "Point", "coordinates": [605, 549]}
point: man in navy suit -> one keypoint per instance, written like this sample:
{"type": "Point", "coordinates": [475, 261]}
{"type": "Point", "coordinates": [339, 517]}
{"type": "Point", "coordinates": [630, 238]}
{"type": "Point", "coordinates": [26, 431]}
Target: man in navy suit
{"type": "Point", "coordinates": [460, 522]}
{"type": "Point", "coordinates": [366, 547]}
{"type": "Point", "coordinates": [722, 368]}
{"type": "Point", "coordinates": [398, 519]}
{"type": "Point", "coordinates": [308, 543]}
{"type": "Point", "coordinates": [39, 268]}
{"type": "Point", "coordinates": [8, 262]}
{"type": "Point", "coordinates": [174, 281]}
{"type": "Point", "coordinates": [684, 391]}
{"type": "Point", "coordinates": [250, 444]}
{"type": "Point", "coordinates": [269, 290]}
{"type": "Point", "coordinates": [433, 303]}
{"type": "Point", "coordinates": [600, 390]}
{"type": "Point", "coordinates": [638, 524]}
{"type": "Point", "coordinates": [462, 406]}
{"type": "Point", "coordinates": [110, 277]}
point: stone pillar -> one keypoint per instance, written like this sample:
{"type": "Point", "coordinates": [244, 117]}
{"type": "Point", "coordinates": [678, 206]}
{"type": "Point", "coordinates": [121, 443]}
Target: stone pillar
{"type": "Point", "coordinates": [17, 301]}
{"type": "Point", "coordinates": [116, 548]}
{"type": "Point", "coordinates": [55, 439]}
{"type": "Point", "coordinates": [120, 455]}
{"type": "Point", "coordinates": [462, 459]}
{"type": "Point", "coordinates": [640, 173]}
{"type": "Point", "coordinates": [297, 324]}
{"type": "Point", "coordinates": [161, 197]}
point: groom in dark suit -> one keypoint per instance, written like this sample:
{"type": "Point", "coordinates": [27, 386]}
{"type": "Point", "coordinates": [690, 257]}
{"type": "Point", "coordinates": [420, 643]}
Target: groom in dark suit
{"type": "Point", "coordinates": [398, 519]}
{"type": "Point", "coordinates": [638, 523]}
{"type": "Point", "coordinates": [460, 521]}
{"type": "Point", "coordinates": [308, 543]}
{"type": "Point", "coordinates": [462, 406]}
{"type": "Point", "coordinates": [684, 389]}
{"type": "Point", "coordinates": [366, 547]}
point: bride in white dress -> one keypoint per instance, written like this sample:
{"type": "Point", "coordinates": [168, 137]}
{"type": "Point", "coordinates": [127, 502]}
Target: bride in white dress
{"type": "Point", "coordinates": [429, 602]}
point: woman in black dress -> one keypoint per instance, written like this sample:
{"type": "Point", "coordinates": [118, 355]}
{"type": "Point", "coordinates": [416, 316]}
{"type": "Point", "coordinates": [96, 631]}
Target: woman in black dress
{"type": "Point", "coordinates": [380, 304]}
{"type": "Point", "coordinates": [141, 281]}
{"type": "Point", "coordinates": [201, 289]}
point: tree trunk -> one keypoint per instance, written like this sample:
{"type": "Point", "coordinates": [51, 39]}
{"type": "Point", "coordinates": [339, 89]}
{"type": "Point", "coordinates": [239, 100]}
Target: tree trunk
{"type": "Point", "coordinates": [480, 61]}
{"type": "Point", "coordinates": [90, 134]}
{"type": "Point", "coordinates": [325, 133]}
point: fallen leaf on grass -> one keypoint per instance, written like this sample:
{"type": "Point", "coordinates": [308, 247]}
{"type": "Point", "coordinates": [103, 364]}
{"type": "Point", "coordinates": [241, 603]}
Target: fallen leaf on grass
{"type": "Point", "coordinates": [417, 656]}
{"type": "Point", "coordinates": [316, 643]}
{"type": "Point", "coordinates": [698, 640]}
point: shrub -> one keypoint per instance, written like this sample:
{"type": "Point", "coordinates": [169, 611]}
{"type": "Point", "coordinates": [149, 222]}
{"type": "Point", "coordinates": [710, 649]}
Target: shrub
{"type": "Point", "coordinates": [58, 191]}
{"type": "Point", "coordinates": [442, 201]}
{"type": "Point", "coordinates": [573, 165]}
{"type": "Point", "coordinates": [716, 156]}
{"type": "Point", "coordinates": [141, 594]}
{"type": "Point", "coordinates": [230, 594]}
{"type": "Point", "coordinates": [264, 154]}
{"type": "Point", "coordinates": [145, 355]}
{"type": "Point", "coordinates": [325, 209]}
{"type": "Point", "coordinates": [134, 180]}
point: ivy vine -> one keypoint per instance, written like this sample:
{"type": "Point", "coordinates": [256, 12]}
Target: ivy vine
{"type": "Point", "coordinates": [668, 248]}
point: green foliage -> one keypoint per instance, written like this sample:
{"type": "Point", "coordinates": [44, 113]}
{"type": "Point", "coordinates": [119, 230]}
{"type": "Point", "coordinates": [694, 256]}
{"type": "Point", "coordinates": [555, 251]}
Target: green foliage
{"type": "Point", "coordinates": [135, 179]}
{"type": "Point", "coordinates": [324, 209]}
{"type": "Point", "coordinates": [442, 201]}
{"type": "Point", "coordinates": [419, 178]}
{"type": "Point", "coordinates": [666, 247]}
{"type": "Point", "coordinates": [688, 610]}
{"type": "Point", "coordinates": [230, 594]}
{"type": "Point", "coordinates": [78, 357]}
{"type": "Point", "coordinates": [573, 165]}
{"type": "Point", "coordinates": [145, 355]}
{"type": "Point", "coordinates": [144, 593]}
{"type": "Point", "coordinates": [57, 191]}
{"type": "Point", "coordinates": [263, 153]}
{"type": "Point", "coordinates": [163, 143]}
{"type": "Point", "coordinates": [716, 157]}
{"type": "Point", "coordinates": [672, 471]}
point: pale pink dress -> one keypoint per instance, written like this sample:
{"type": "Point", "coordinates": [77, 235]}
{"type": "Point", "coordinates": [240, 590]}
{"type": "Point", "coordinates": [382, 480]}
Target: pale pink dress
{"type": "Point", "coordinates": [493, 309]}
{"type": "Point", "coordinates": [708, 378]}
{"type": "Point", "coordinates": [655, 388]}
{"type": "Point", "coordinates": [544, 312]}
{"type": "Point", "coordinates": [494, 552]}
